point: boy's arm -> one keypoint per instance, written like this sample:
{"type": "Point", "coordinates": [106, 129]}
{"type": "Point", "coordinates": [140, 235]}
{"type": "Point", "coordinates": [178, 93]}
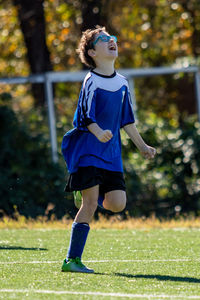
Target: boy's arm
{"type": "Point", "coordinates": [146, 151]}
{"type": "Point", "coordinates": [102, 135]}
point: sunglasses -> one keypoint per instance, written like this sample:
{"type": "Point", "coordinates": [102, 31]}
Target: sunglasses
{"type": "Point", "coordinates": [105, 38]}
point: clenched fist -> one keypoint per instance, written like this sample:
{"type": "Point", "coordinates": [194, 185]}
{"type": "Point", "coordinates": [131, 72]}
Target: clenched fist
{"type": "Point", "coordinates": [148, 152]}
{"type": "Point", "coordinates": [105, 136]}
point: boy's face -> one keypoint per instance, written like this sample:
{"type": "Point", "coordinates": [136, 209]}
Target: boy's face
{"type": "Point", "coordinates": [105, 47]}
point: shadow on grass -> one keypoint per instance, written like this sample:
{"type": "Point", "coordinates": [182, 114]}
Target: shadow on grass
{"type": "Point", "coordinates": [160, 277]}
{"type": "Point", "coordinates": [21, 248]}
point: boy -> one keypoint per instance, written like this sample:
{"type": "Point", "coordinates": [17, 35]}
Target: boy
{"type": "Point", "coordinates": [92, 149]}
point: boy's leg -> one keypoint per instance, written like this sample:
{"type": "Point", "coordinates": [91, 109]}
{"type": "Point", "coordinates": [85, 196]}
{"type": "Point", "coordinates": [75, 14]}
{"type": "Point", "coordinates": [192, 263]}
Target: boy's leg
{"type": "Point", "coordinates": [89, 205]}
{"type": "Point", "coordinates": [80, 230]}
{"type": "Point", "coordinates": [78, 199]}
{"type": "Point", "coordinates": [115, 200]}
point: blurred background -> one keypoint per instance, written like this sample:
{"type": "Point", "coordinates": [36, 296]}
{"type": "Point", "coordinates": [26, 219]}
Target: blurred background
{"type": "Point", "coordinates": [38, 36]}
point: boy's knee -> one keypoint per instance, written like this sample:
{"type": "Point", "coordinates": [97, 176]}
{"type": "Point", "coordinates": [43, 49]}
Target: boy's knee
{"type": "Point", "coordinates": [118, 207]}
{"type": "Point", "coordinates": [93, 207]}
{"type": "Point", "coordinates": [90, 206]}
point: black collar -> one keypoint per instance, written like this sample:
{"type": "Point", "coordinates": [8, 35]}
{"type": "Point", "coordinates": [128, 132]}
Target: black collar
{"type": "Point", "coordinates": [105, 76]}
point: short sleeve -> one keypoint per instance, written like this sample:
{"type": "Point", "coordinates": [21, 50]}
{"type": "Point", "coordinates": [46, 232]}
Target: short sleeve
{"type": "Point", "coordinates": [127, 116]}
{"type": "Point", "coordinates": [85, 112]}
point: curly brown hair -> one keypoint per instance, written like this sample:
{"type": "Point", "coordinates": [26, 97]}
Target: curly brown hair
{"type": "Point", "coordinates": [86, 43]}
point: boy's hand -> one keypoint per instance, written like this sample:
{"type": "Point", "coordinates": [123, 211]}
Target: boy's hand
{"type": "Point", "coordinates": [148, 152]}
{"type": "Point", "coordinates": [104, 136]}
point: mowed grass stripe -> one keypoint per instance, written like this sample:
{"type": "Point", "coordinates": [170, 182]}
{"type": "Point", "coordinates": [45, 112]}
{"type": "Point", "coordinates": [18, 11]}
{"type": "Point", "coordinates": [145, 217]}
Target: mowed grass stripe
{"type": "Point", "coordinates": [106, 261]}
{"type": "Point", "coordinates": [120, 295]}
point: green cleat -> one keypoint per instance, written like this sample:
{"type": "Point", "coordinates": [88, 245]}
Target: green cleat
{"type": "Point", "coordinates": [75, 265]}
{"type": "Point", "coordinates": [77, 199]}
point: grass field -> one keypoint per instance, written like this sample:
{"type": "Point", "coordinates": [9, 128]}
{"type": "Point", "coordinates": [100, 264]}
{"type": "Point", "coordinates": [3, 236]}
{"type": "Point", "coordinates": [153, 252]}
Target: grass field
{"type": "Point", "coordinates": [149, 263]}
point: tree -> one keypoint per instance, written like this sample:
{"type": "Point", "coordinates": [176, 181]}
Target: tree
{"type": "Point", "coordinates": [92, 14]}
{"type": "Point", "coordinates": [32, 22]}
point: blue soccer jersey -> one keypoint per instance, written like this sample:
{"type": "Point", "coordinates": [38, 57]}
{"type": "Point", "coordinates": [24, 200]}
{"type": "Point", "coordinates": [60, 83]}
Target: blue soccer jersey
{"type": "Point", "coordinates": [104, 100]}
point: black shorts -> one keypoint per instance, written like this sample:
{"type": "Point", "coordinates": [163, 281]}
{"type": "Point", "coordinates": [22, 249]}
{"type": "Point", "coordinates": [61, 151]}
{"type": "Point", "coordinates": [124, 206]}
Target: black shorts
{"type": "Point", "coordinates": [87, 177]}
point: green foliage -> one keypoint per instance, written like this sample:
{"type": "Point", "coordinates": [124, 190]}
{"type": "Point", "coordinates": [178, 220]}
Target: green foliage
{"type": "Point", "coordinates": [150, 33]}
{"type": "Point", "coordinates": [168, 185]}
{"type": "Point", "coordinates": [29, 181]}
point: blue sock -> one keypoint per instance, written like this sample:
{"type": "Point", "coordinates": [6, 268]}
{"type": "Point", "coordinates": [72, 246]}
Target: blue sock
{"type": "Point", "coordinates": [100, 200]}
{"type": "Point", "coordinates": [78, 239]}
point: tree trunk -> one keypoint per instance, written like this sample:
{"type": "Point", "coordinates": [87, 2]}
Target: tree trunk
{"type": "Point", "coordinates": [92, 14]}
{"type": "Point", "coordinates": [32, 21]}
